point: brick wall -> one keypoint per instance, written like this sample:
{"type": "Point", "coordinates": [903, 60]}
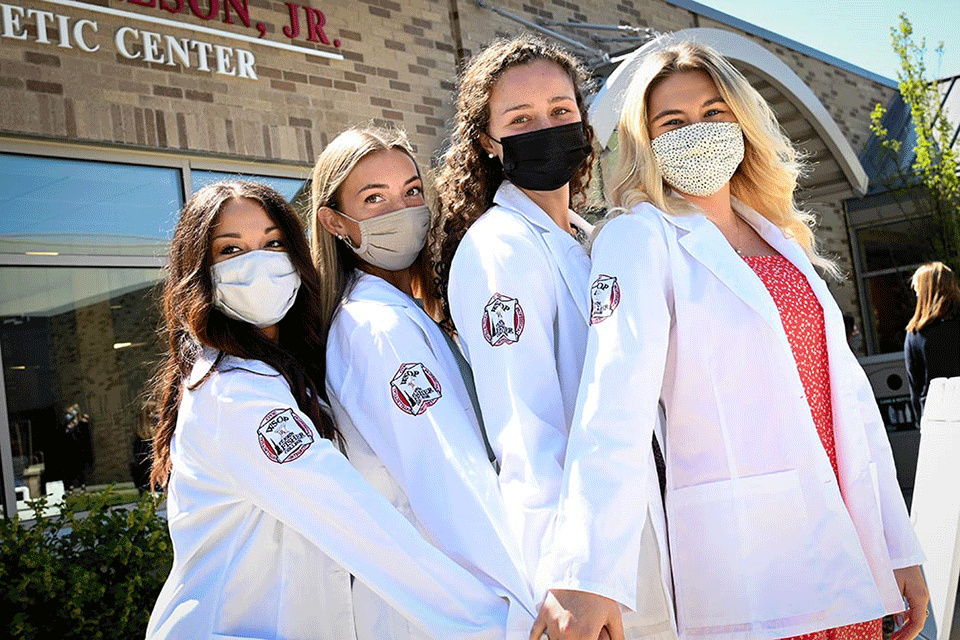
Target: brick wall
{"type": "Point", "coordinates": [398, 67]}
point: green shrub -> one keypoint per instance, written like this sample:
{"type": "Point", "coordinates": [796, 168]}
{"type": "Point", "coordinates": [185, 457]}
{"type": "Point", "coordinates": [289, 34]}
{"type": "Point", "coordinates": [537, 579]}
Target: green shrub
{"type": "Point", "coordinates": [83, 575]}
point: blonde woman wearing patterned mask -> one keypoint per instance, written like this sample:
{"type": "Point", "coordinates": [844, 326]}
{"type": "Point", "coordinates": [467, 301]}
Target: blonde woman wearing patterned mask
{"type": "Point", "coordinates": [784, 513]}
{"type": "Point", "coordinates": [400, 393]}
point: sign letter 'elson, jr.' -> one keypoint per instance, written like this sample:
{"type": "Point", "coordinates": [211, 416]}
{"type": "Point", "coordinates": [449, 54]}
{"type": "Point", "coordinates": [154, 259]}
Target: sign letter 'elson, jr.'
{"type": "Point", "coordinates": [284, 436]}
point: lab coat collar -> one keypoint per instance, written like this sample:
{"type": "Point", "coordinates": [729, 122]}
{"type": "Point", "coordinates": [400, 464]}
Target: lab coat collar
{"type": "Point", "coordinates": [571, 257]}
{"type": "Point", "coordinates": [706, 244]}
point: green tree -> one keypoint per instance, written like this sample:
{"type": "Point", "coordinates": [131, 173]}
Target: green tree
{"type": "Point", "coordinates": [932, 185]}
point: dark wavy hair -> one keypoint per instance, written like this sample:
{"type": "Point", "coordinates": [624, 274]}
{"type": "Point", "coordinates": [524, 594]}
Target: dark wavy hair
{"type": "Point", "coordinates": [468, 178]}
{"type": "Point", "coordinates": [190, 321]}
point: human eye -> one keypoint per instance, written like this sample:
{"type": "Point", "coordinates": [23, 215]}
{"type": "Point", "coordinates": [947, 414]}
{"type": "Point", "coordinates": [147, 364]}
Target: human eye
{"type": "Point", "coordinates": [415, 191]}
{"type": "Point", "coordinates": [714, 112]}
{"type": "Point", "coordinates": [672, 122]}
{"type": "Point", "coordinates": [229, 250]}
{"type": "Point", "coordinates": [374, 198]}
{"type": "Point", "coordinates": [561, 111]}
{"type": "Point", "coordinates": [276, 243]}
{"type": "Point", "coordinates": [522, 119]}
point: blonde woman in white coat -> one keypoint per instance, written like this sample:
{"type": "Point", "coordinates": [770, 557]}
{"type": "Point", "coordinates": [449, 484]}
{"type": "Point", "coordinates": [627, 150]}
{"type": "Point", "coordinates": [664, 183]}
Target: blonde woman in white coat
{"type": "Point", "coordinates": [784, 514]}
{"type": "Point", "coordinates": [268, 519]}
{"type": "Point", "coordinates": [398, 392]}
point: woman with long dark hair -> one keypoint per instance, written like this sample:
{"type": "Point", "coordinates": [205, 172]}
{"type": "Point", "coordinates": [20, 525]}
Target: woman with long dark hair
{"type": "Point", "coordinates": [932, 346]}
{"type": "Point", "coordinates": [268, 518]}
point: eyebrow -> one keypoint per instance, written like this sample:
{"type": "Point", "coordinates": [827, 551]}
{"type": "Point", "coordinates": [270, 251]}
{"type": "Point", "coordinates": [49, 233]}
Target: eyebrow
{"type": "Point", "coordinates": [671, 112]}
{"type": "Point", "coordinates": [385, 186]}
{"type": "Point", "coordinates": [237, 235]}
{"type": "Point", "coordinates": [530, 106]}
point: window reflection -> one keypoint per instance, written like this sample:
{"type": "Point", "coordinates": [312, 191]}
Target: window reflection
{"type": "Point", "coordinates": [79, 346]}
{"type": "Point", "coordinates": [287, 187]}
{"type": "Point", "coordinates": [80, 207]}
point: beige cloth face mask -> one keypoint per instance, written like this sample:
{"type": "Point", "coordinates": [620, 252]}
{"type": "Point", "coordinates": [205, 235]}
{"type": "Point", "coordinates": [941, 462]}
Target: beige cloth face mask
{"type": "Point", "coordinates": [391, 241]}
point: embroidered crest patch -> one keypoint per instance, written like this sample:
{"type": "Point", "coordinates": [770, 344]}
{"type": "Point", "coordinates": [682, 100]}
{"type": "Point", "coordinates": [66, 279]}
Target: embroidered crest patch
{"type": "Point", "coordinates": [414, 388]}
{"type": "Point", "coordinates": [604, 298]}
{"type": "Point", "coordinates": [284, 436]}
{"type": "Point", "coordinates": [502, 320]}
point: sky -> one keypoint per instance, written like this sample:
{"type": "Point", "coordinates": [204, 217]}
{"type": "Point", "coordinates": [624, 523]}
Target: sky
{"type": "Point", "coordinates": [858, 31]}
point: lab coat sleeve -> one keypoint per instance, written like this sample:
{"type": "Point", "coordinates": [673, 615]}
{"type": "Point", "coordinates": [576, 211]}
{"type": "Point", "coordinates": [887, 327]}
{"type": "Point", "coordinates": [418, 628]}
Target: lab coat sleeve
{"type": "Point", "coordinates": [609, 462]}
{"type": "Point", "coordinates": [902, 543]}
{"type": "Point", "coordinates": [418, 424]}
{"type": "Point", "coordinates": [515, 374]}
{"type": "Point", "coordinates": [314, 490]}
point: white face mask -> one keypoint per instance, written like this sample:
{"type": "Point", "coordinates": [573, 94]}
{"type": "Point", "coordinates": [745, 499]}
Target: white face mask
{"type": "Point", "coordinates": [700, 158]}
{"type": "Point", "coordinates": [258, 287]}
{"type": "Point", "coordinates": [392, 241]}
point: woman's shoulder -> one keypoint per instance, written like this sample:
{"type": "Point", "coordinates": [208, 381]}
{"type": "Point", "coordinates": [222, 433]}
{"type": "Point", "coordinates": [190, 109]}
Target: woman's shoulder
{"type": "Point", "coordinates": [501, 227]}
{"type": "Point", "coordinates": [224, 376]}
{"type": "Point", "coordinates": [373, 306]}
{"type": "Point", "coordinates": [624, 225]}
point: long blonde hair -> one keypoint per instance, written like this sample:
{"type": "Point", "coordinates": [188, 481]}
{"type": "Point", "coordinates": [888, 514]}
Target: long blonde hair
{"type": "Point", "coordinates": [334, 260]}
{"type": "Point", "coordinates": [938, 295]}
{"type": "Point", "coordinates": [766, 179]}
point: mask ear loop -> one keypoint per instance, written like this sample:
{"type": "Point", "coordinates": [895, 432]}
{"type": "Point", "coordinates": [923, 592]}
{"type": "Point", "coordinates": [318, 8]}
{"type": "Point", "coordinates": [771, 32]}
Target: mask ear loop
{"type": "Point", "coordinates": [490, 137]}
{"type": "Point", "coordinates": [345, 239]}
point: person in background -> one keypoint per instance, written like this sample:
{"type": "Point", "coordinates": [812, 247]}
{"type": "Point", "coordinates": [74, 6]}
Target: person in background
{"type": "Point", "coordinates": [399, 389]}
{"type": "Point", "coordinates": [142, 446]}
{"type": "Point", "coordinates": [854, 337]}
{"type": "Point", "coordinates": [269, 521]}
{"type": "Point", "coordinates": [932, 346]}
{"type": "Point", "coordinates": [784, 514]}
{"type": "Point", "coordinates": [77, 449]}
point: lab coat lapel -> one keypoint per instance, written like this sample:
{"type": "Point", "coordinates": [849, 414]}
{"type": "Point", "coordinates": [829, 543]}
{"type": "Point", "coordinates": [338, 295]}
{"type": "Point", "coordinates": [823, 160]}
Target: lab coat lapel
{"type": "Point", "coordinates": [850, 438]}
{"type": "Point", "coordinates": [572, 259]}
{"type": "Point", "coordinates": [704, 242]}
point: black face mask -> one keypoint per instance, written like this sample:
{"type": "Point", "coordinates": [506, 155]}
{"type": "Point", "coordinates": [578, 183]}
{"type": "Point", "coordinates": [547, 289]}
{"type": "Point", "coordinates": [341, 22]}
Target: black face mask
{"type": "Point", "coordinates": [546, 159]}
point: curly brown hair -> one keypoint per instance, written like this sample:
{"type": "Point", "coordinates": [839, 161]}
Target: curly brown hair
{"type": "Point", "coordinates": [468, 178]}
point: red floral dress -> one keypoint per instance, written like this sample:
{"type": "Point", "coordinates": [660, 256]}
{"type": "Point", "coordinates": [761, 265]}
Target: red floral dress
{"type": "Point", "coordinates": [802, 318]}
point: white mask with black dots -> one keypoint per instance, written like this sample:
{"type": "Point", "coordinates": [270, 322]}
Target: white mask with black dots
{"type": "Point", "coordinates": [700, 158]}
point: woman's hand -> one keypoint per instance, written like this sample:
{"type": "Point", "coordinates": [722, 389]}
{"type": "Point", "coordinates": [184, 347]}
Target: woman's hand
{"type": "Point", "coordinates": [914, 590]}
{"type": "Point", "coordinates": [578, 615]}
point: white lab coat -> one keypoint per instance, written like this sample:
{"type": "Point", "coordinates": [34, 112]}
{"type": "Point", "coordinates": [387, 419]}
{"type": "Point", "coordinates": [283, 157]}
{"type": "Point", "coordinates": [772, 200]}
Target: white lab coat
{"type": "Point", "coordinates": [762, 544]}
{"type": "Point", "coordinates": [267, 518]}
{"type": "Point", "coordinates": [518, 297]}
{"type": "Point", "coordinates": [527, 374]}
{"type": "Point", "coordinates": [400, 400]}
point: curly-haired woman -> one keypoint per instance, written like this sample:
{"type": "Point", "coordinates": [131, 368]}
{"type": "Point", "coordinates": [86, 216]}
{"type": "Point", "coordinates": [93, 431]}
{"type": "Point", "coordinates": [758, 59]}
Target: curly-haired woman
{"type": "Point", "coordinates": [512, 272]}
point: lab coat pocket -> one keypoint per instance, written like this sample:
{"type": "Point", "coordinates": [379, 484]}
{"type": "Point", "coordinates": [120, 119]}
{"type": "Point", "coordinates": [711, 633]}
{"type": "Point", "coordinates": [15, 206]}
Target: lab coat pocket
{"type": "Point", "coordinates": [742, 552]}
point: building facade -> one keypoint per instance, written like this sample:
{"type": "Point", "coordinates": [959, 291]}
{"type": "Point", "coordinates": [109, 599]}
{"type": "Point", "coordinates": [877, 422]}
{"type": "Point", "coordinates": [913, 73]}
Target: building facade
{"type": "Point", "coordinates": [115, 111]}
